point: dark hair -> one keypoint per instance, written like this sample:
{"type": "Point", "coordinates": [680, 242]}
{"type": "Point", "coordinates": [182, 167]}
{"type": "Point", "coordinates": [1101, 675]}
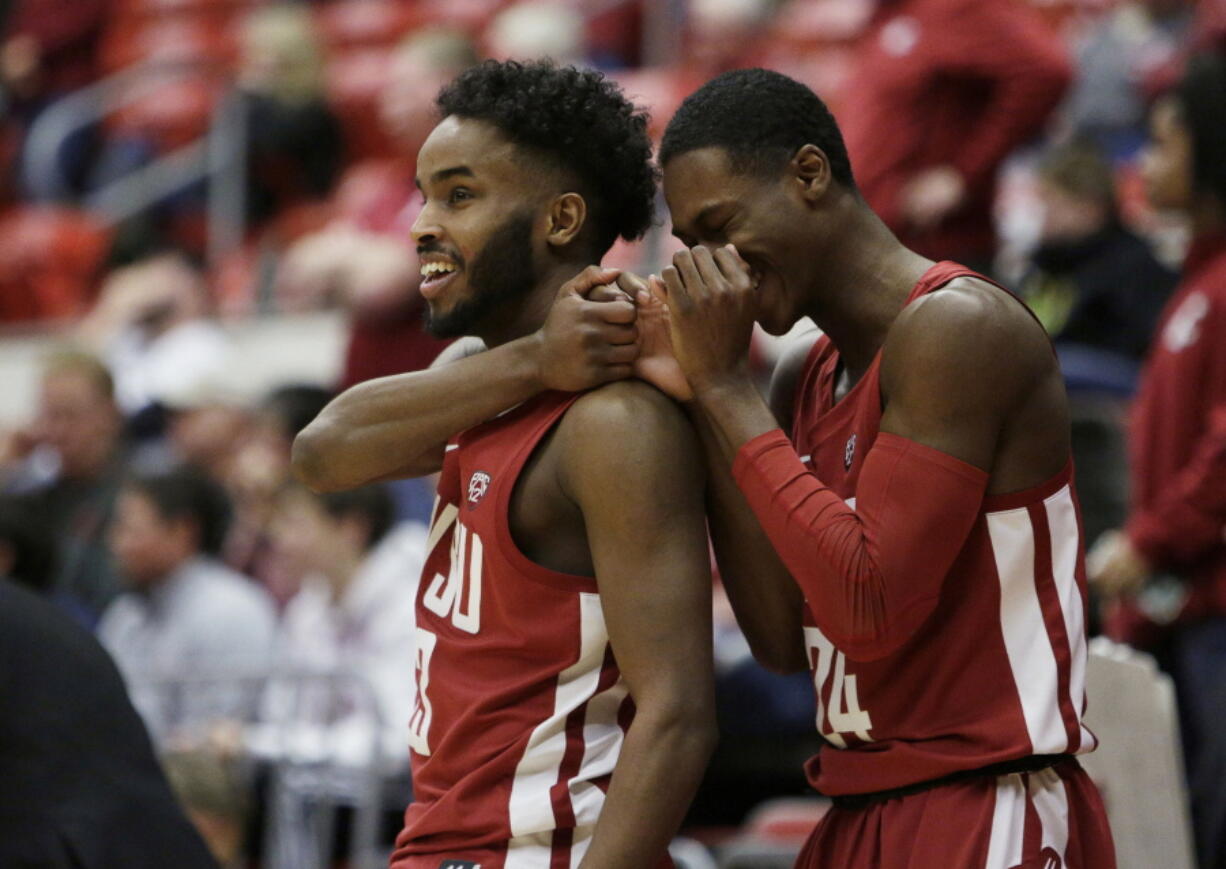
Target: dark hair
{"type": "Point", "coordinates": [1081, 168]}
{"type": "Point", "coordinates": [761, 118]}
{"type": "Point", "coordinates": [371, 503]}
{"type": "Point", "coordinates": [31, 542]}
{"type": "Point", "coordinates": [1202, 100]}
{"type": "Point", "coordinates": [295, 405]}
{"type": "Point", "coordinates": [579, 121]}
{"type": "Point", "coordinates": [186, 493]}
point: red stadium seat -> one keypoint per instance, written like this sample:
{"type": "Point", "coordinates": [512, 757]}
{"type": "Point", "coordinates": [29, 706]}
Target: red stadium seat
{"type": "Point", "coordinates": [355, 80]}
{"type": "Point", "coordinates": [365, 23]}
{"type": "Point", "coordinates": [50, 259]}
{"type": "Point", "coordinates": [171, 114]}
{"type": "Point", "coordinates": [170, 42]}
{"type": "Point", "coordinates": [659, 90]}
{"type": "Point", "coordinates": [809, 24]}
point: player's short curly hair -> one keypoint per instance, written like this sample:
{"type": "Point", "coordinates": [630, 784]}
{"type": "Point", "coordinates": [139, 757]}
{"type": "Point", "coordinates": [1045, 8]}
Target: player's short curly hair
{"type": "Point", "coordinates": [577, 119]}
{"type": "Point", "coordinates": [761, 118]}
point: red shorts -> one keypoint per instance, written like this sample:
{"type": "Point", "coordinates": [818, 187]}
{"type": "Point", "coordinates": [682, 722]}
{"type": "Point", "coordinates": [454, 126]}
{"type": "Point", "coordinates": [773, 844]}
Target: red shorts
{"type": "Point", "coordinates": [558, 849]}
{"type": "Point", "coordinates": [1051, 819]}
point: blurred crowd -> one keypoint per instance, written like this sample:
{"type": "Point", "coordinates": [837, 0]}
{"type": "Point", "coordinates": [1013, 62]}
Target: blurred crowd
{"type": "Point", "coordinates": [171, 168]}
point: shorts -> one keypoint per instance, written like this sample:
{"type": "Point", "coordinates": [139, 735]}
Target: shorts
{"type": "Point", "coordinates": [557, 849]}
{"type": "Point", "coordinates": [1049, 819]}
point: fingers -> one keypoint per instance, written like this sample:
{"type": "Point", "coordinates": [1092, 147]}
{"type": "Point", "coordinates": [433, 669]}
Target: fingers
{"type": "Point", "coordinates": [683, 261]}
{"type": "Point", "coordinates": [675, 294]}
{"type": "Point", "coordinates": [586, 280]}
{"type": "Point", "coordinates": [659, 292]}
{"type": "Point", "coordinates": [733, 268]}
{"type": "Point", "coordinates": [618, 334]}
{"type": "Point", "coordinates": [608, 293]}
{"type": "Point", "coordinates": [621, 312]}
{"type": "Point", "coordinates": [708, 271]}
{"type": "Point", "coordinates": [631, 284]}
{"type": "Point", "coordinates": [622, 354]}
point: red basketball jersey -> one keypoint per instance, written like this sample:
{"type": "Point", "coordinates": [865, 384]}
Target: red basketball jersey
{"type": "Point", "coordinates": [997, 672]}
{"type": "Point", "coordinates": [521, 710]}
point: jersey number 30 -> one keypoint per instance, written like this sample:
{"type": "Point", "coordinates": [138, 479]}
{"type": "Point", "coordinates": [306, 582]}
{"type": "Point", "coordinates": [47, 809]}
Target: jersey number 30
{"type": "Point", "coordinates": [843, 715]}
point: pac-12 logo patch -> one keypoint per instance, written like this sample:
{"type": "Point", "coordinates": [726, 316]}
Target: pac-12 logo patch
{"type": "Point", "coordinates": [478, 485]}
{"type": "Point", "coordinates": [849, 452]}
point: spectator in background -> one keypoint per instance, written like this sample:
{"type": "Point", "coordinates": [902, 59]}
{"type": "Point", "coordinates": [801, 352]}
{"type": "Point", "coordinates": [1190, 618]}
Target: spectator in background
{"type": "Point", "coordinates": [294, 143]}
{"type": "Point", "coordinates": [184, 613]}
{"type": "Point", "coordinates": [944, 91]}
{"type": "Point", "coordinates": [1098, 289]}
{"type": "Point", "coordinates": [1116, 61]}
{"type": "Point", "coordinates": [1094, 283]}
{"type": "Point", "coordinates": [49, 48]}
{"type": "Point", "coordinates": [355, 611]}
{"type": "Point", "coordinates": [82, 787]}
{"type": "Point", "coordinates": [67, 468]}
{"type": "Point", "coordinates": [1166, 570]}
{"type": "Point", "coordinates": [537, 28]}
{"type": "Point", "coordinates": [216, 797]}
{"type": "Point", "coordinates": [260, 469]}
{"type": "Point", "coordinates": [152, 323]}
{"type": "Point", "coordinates": [364, 259]}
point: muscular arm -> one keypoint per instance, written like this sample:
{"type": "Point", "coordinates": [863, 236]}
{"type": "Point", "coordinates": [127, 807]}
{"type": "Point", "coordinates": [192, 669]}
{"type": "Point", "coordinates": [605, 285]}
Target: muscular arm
{"type": "Point", "coordinates": [399, 426]}
{"type": "Point", "coordinates": [953, 369]}
{"type": "Point", "coordinates": [631, 464]}
{"type": "Point", "coordinates": [766, 600]}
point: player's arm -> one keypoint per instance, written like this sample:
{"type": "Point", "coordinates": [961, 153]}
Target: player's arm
{"type": "Point", "coordinates": [632, 465]}
{"type": "Point", "coordinates": [399, 426]}
{"type": "Point", "coordinates": [953, 367]}
{"type": "Point", "coordinates": [767, 601]}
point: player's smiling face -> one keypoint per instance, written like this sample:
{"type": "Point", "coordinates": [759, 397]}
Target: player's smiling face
{"type": "Point", "coordinates": [474, 234]}
{"type": "Point", "coordinates": [712, 205]}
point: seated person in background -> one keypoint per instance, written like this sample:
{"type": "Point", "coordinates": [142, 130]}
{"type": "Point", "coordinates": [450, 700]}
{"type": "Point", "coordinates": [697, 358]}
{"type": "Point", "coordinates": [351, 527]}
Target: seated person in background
{"type": "Point", "coordinates": [294, 142]}
{"type": "Point", "coordinates": [66, 469]}
{"type": "Point", "coordinates": [184, 614]}
{"type": "Point", "coordinates": [81, 785]}
{"type": "Point", "coordinates": [1094, 283]}
{"type": "Point", "coordinates": [364, 259]}
{"type": "Point", "coordinates": [353, 617]}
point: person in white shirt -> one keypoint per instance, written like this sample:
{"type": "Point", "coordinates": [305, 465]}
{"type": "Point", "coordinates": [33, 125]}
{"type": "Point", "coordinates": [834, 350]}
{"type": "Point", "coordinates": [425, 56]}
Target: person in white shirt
{"type": "Point", "coordinates": [184, 616]}
{"type": "Point", "coordinates": [350, 626]}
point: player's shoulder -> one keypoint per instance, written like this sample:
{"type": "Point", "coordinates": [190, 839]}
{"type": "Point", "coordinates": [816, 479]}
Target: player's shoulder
{"type": "Point", "coordinates": [624, 408]}
{"type": "Point", "coordinates": [968, 321]}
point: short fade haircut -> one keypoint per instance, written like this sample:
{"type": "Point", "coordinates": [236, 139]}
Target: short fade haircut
{"type": "Point", "coordinates": [760, 118]}
{"type": "Point", "coordinates": [1202, 102]}
{"type": "Point", "coordinates": [186, 493]}
{"type": "Point", "coordinates": [579, 121]}
{"type": "Point", "coordinates": [1079, 167]}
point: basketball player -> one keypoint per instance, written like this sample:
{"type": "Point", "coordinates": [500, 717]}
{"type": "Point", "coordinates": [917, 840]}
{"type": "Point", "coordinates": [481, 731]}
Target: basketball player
{"type": "Point", "coordinates": [911, 473]}
{"type": "Point", "coordinates": [564, 707]}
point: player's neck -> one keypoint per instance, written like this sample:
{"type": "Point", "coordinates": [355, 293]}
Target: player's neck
{"type": "Point", "coordinates": [529, 313]}
{"type": "Point", "coordinates": [863, 286]}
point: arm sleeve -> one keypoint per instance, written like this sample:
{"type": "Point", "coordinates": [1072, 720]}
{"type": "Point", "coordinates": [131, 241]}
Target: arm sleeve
{"type": "Point", "coordinates": [1190, 517]}
{"type": "Point", "coordinates": [1028, 70]}
{"type": "Point", "coordinates": [871, 575]}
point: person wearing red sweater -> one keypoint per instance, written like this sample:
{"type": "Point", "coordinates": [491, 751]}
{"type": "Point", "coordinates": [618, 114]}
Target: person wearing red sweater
{"type": "Point", "coordinates": [1164, 574]}
{"type": "Point", "coordinates": [944, 91]}
{"type": "Point", "coordinates": [900, 518]}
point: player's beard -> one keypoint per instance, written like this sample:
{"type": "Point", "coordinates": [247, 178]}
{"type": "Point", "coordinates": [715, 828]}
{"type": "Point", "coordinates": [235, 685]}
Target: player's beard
{"type": "Point", "coordinates": [501, 275]}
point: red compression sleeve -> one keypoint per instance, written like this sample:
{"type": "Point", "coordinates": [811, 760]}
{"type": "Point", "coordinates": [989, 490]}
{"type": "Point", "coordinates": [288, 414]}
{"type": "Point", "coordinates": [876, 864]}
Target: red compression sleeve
{"type": "Point", "coordinates": [871, 575]}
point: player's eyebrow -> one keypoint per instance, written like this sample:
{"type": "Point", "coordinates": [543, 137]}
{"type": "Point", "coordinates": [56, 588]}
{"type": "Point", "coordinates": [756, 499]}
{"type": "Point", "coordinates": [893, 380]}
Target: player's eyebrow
{"type": "Point", "coordinates": [701, 218]}
{"type": "Point", "coordinates": [444, 174]}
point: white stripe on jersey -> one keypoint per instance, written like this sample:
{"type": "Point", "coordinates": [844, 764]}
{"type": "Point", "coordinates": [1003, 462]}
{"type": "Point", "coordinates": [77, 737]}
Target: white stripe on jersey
{"type": "Point", "coordinates": [1065, 541]}
{"type": "Point", "coordinates": [602, 743]}
{"type": "Point", "coordinates": [530, 852]}
{"type": "Point", "coordinates": [1008, 823]}
{"type": "Point", "coordinates": [1026, 641]}
{"type": "Point", "coordinates": [1051, 805]}
{"type": "Point", "coordinates": [530, 809]}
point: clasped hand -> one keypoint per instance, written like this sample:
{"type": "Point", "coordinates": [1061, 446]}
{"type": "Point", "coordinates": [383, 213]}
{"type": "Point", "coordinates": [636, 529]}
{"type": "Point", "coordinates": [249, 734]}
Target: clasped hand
{"type": "Point", "coordinates": [691, 325]}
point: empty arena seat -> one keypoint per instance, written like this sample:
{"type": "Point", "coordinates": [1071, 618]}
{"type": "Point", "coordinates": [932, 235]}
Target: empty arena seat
{"type": "Point", "coordinates": [774, 833]}
{"type": "Point", "coordinates": [50, 260]}
{"type": "Point", "coordinates": [365, 23]}
{"type": "Point", "coordinates": [170, 114]}
{"type": "Point", "coordinates": [170, 42]}
{"type": "Point", "coordinates": [1138, 765]}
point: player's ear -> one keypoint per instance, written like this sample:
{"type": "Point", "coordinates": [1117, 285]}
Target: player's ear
{"type": "Point", "coordinates": [811, 170]}
{"type": "Point", "coordinates": [567, 214]}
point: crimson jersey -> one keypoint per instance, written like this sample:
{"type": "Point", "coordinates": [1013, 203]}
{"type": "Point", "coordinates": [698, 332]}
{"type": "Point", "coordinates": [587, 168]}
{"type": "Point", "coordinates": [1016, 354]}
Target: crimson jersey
{"type": "Point", "coordinates": [521, 709]}
{"type": "Point", "coordinates": [997, 672]}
